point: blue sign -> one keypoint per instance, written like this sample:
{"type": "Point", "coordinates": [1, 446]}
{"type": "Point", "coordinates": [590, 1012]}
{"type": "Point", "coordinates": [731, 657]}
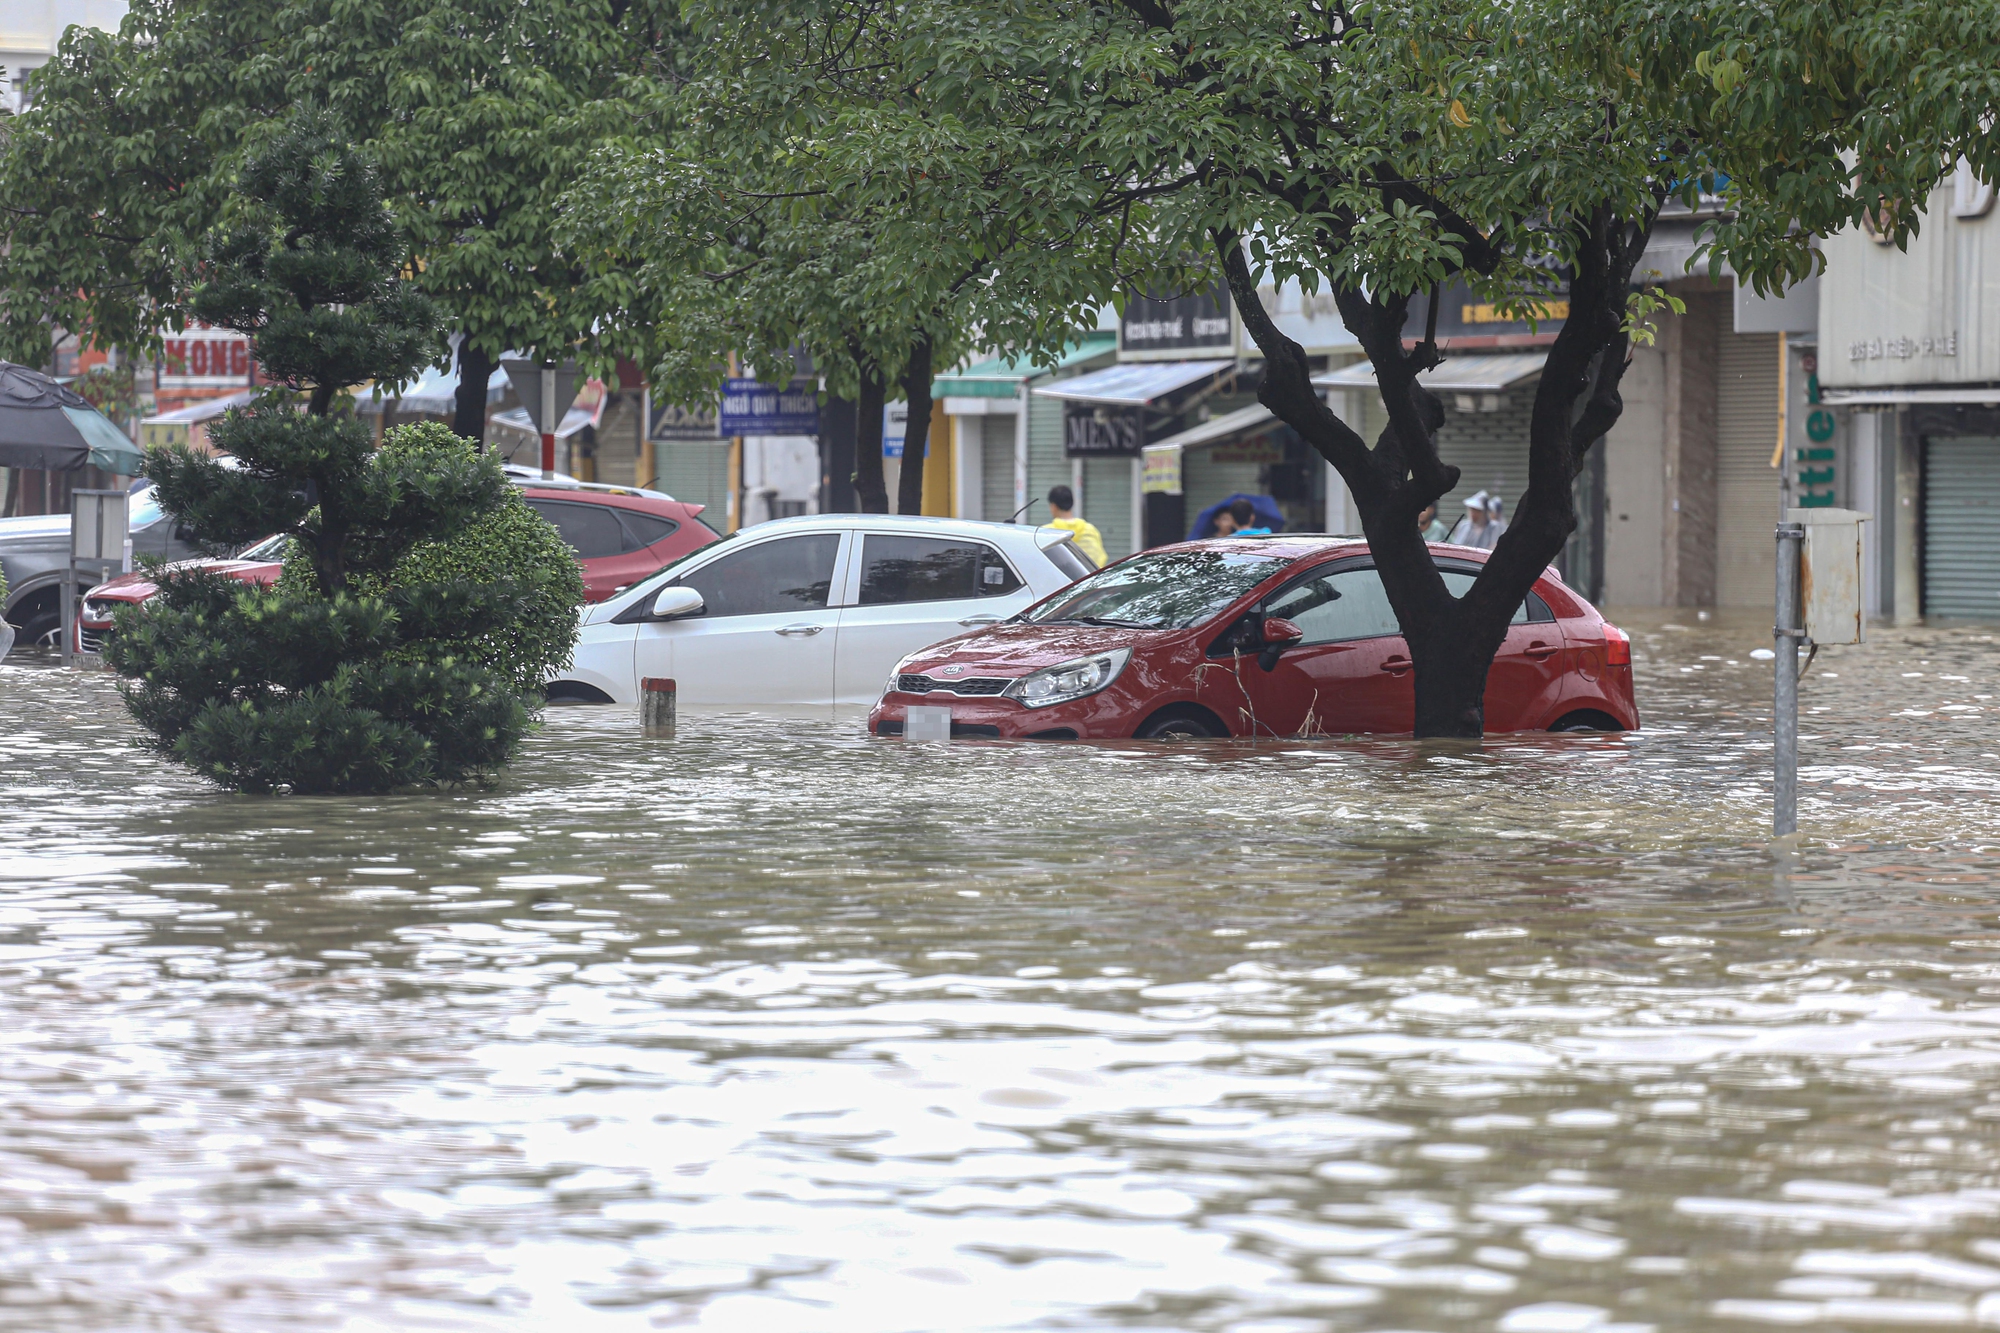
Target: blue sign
{"type": "Point", "coordinates": [751, 407]}
{"type": "Point", "coordinates": [895, 425]}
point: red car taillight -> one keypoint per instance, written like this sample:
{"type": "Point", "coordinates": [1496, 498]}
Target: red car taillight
{"type": "Point", "coordinates": [1617, 646]}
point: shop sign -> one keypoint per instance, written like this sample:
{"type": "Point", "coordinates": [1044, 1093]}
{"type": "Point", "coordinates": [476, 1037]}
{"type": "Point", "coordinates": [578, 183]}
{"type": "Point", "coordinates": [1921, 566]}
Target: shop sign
{"type": "Point", "coordinates": [1902, 349]}
{"type": "Point", "coordinates": [895, 428]}
{"type": "Point", "coordinates": [1101, 432]}
{"type": "Point", "coordinates": [1195, 323]}
{"type": "Point", "coordinates": [1462, 314]}
{"type": "Point", "coordinates": [1161, 472]}
{"type": "Point", "coordinates": [751, 407]}
{"type": "Point", "coordinates": [671, 421]}
{"type": "Point", "coordinates": [1262, 451]}
{"type": "Point", "coordinates": [204, 358]}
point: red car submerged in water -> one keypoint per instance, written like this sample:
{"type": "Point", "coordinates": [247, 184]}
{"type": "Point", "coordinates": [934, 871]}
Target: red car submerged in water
{"type": "Point", "coordinates": [1258, 636]}
{"type": "Point", "coordinates": [620, 534]}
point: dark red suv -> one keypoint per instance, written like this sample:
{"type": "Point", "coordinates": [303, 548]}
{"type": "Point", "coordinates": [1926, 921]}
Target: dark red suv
{"type": "Point", "coordinates": [1270, 636]}
{"type": "Point", "coordinates": [621, 534]}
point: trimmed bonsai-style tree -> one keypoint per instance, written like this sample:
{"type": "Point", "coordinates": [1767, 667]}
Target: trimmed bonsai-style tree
{"type": "Point", "coordinates": [354, 681]}
{"type": "Point", "coordinates": [512, 544]}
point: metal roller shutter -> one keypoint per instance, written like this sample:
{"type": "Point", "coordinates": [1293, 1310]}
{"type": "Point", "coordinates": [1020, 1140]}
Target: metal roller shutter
{"type": "Point", "coordinates": [1107, 502]}
{"type": "Point", "coordinates": [696, 474]}
{"type": "Point", "coordinates": [996, 468]}
{"type": "Point", "coordinates": [1961, 516]}
{"type": "Point", "coordinates": [1746, 486]}
{"type": "Point", "coordinates": [1490, 451]}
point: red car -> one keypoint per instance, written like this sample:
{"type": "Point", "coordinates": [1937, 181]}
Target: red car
{"type": "Point", "coordinates": [620, 534]}
{"type": "Point", "coordinates": [1266, 636]}
{"type": "Point", "coordinates": [259, 563]}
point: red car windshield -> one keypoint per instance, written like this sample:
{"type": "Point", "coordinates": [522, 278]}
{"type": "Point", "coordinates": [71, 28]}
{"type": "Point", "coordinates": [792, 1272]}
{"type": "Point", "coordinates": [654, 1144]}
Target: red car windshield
{"type": "Point", "coordinates": [1165, 590]}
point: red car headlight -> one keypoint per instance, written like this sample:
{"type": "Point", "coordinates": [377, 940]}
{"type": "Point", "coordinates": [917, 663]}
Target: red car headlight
{"type": "Point", "coordinates": [1068, 680]}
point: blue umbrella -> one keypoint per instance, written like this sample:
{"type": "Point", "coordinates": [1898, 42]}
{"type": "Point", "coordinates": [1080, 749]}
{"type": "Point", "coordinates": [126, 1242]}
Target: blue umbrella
{"type": "Point", "coordinates": [51, 428]}
{"type": "Point", "coordinates": [1268, 515]}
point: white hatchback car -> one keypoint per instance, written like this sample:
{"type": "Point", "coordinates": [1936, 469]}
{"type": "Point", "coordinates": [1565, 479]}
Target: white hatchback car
{"type": "Point", "coordinates": [812, 610]}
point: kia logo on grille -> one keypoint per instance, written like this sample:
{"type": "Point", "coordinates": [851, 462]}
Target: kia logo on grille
{"type": "Point", "coordinates": [953, 670]}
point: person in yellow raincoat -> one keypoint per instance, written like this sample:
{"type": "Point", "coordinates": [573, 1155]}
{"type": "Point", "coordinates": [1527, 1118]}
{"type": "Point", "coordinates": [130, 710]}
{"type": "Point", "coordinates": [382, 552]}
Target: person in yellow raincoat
{"type": "Point", "coordinates": [1083, 534]}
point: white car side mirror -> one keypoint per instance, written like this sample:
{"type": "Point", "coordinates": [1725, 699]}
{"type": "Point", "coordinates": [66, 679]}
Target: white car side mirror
{"type": "Point", "coordinates": [675, 601]}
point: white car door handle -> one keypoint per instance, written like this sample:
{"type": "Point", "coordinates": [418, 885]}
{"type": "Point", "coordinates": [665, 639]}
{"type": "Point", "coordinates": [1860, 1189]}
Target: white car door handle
{"type": "Point", "coordinates": [980, 620]}
{"type": "Point", "coordinates": [800, 631]}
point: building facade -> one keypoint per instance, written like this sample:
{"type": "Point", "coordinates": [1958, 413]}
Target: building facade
{"type": "Point", "coordinates": [1909, 377]}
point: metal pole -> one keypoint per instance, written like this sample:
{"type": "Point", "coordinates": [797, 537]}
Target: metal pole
{"type": "Point", "coordinates": [69, 613]}
{"type": "Point", "coordinates": [1787, 632]}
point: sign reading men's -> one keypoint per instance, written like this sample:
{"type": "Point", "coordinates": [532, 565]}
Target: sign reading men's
{"type": "Point", "coordinates": [1195, 323]}
{"type": "Point", "coordinates": [1101, 432]}
{"type": "Point", "coordinates": [751, 407]}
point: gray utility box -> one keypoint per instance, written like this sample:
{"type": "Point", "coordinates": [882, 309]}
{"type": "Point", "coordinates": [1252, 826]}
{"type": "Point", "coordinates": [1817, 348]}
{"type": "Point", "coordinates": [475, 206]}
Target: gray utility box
{"type": "Point", "coordinates": [1830, 573]}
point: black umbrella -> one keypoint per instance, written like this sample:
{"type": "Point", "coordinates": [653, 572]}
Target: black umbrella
{"type": "Point", "coordinates": [46, 426]}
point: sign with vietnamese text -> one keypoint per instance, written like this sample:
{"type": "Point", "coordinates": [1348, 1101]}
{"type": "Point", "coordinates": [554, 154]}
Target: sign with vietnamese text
{"type": "Point", "coordinates": [751, 407]}
{"type": "Point", "coordinates": [1195, 323]}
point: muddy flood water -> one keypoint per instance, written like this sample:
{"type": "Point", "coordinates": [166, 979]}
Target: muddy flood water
{"type": "Point", "coordinates": [775, 1027]}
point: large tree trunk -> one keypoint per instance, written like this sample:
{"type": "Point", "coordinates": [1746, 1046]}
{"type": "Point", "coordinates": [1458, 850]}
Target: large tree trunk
{"type": "Point", "coordinates": [836, 455]}
{"type": "Point", "coordinates": [1452, 641]}
{"type": "Point", "coordinates": [468, 418]}
{"type": "Point", "coordinates": [871, 493]}
{"type": "Point", "coordinates": [916, 435]}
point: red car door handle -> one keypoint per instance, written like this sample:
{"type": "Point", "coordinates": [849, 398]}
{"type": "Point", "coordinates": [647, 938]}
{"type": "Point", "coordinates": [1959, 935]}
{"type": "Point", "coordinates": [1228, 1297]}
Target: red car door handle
{"type": "Point", "coordinates": [1397, 664]}
{"type": "Point", "coordinates": [1538, 651]}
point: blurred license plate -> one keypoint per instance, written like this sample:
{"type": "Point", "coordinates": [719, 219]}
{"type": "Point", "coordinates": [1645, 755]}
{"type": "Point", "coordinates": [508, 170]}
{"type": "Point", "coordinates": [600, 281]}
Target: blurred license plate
{"type": "Point", "coordinates": [927, 724]}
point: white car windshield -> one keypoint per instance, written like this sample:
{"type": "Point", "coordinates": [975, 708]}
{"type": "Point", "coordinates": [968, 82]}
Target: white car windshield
{"type": "Point", "coordinates": [144, 509]}
{"type": "Point", "coordinates": [1168, 590]}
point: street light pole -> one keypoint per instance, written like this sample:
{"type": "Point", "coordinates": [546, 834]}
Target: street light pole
{"type": "Point", "coordinates": [1787, 632]}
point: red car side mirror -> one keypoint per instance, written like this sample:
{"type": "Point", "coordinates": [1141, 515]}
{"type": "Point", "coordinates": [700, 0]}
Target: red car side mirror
{"type": "Point", "coordinates": [1280, 631]}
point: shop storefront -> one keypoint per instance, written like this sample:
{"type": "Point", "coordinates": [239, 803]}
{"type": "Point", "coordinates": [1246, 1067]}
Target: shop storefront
{"type": "Point", "coordinates": [1909, 344]}
{"type": "Point", "coordinates": [1007, 442]}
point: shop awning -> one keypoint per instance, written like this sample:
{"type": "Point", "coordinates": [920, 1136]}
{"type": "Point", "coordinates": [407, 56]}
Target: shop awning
{"type": "Point", "coordinates": [1240, 422]}
{"type": "Point", "coordinates": [1133, 384]}
{"type": "Point", "coordinates": [435, 394]}
{"type": "Point", "coordinates": [1986, 395]}
{"type": "Point", "coordinates": [573, 421]}
{"type": "Point", "coordinates": [1460, 374]}
{"type": "Point", "coordinates": [1002, 377]}
{"type": "Point", "coordinates": [1161, 470]}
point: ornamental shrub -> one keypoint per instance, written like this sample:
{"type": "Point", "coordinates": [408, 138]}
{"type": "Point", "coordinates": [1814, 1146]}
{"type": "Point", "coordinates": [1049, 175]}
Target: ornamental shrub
{"type": "Point", "coordinates": [355, 683]}
{"type": "Point", "coordinates": [511, 545]}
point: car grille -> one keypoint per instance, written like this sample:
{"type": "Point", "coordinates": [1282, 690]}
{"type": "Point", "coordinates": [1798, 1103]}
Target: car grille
{"type": "Point", "coordinates": [911, 682]}
{"type": "Point", "coordinates": [93, 639]}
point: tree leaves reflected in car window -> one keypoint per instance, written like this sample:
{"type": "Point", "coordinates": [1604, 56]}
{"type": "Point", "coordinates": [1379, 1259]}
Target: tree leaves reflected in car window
{"type": "Point", "coordinates": [1169, 590]}
{"type": "Point", "coordinates": [930, 569]}
{"type": "Point", "coordinates": [789, 574]}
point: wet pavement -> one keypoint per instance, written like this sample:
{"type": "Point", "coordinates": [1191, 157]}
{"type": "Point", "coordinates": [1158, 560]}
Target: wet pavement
{"type": "Point", "coordinates": [772, 1026]}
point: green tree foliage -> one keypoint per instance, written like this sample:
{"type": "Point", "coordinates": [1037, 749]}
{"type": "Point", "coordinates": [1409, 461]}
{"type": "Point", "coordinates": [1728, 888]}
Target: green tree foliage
{"type": "Point", "coordinates": [811, 193]}
{"type": "Point", "coordinates": [512, 545]}
{"type": "Point", "coordinates": [1385, 149]}
{"type": "Point", "coordinates": [328, 688]}
{"type": "Point", "coordinates": [479, 114]}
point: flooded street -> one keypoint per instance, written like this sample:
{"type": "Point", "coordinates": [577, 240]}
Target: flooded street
{"type": "Point", "coordinates": [775, 1027]}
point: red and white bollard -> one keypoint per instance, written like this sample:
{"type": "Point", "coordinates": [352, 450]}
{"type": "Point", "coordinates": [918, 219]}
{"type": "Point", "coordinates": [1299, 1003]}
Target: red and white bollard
{"type": "Point", "coordinates": [657, 695]}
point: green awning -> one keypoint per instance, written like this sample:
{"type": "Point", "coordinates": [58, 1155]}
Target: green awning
{"type": "Point", "coordinates": [1002, 377]}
